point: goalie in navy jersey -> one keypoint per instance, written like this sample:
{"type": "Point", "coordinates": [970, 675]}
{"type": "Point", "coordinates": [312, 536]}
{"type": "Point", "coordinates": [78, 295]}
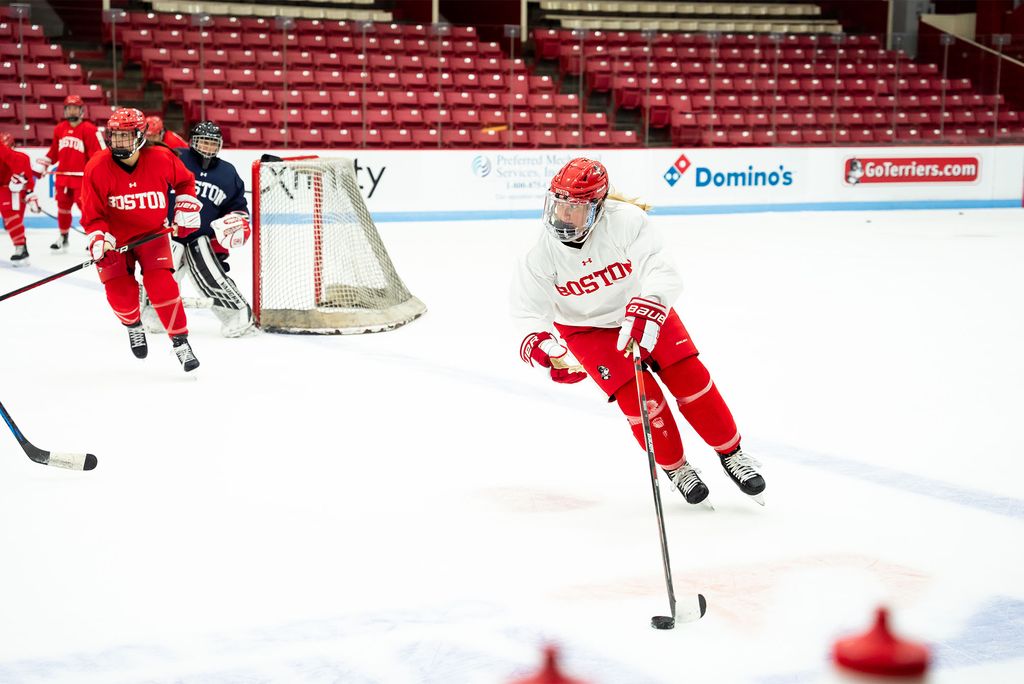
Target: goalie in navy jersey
{"type": "Point", "coordinates": [224, 225]}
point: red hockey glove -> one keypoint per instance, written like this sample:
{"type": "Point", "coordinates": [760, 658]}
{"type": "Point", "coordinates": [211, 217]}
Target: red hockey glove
{"type": "Point", "coordinates": [99, 244]}
{"type": "Point", "coordinates": [186, 216]}
{"type": "Point", "coordinates": [644, 318]}
{"type": "Point", "coordinates": [542, 348]}
{"type": "Point", "coordinates": [232, 230]}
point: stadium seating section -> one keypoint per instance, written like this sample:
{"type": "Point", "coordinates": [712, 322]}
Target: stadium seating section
{"type": "Point", "coordinates": [344, 83]}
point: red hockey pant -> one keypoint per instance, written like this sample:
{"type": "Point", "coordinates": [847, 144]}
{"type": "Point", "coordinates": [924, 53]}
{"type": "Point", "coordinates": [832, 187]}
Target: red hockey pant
{"type": "Point", "coordinates": [66, 197]}
{"type": "Point", "coordinates": [14, 219]}
{"type": "Point", "coordinates": [117, 273]}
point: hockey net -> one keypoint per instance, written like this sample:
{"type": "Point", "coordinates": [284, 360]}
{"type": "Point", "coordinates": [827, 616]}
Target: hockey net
{"type": "Point", "coordinates": [319, 265]}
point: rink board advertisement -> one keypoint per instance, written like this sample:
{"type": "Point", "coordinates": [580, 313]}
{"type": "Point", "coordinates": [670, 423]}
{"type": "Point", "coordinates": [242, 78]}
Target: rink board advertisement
{"type": "Point", "coordinates": [418, 185]}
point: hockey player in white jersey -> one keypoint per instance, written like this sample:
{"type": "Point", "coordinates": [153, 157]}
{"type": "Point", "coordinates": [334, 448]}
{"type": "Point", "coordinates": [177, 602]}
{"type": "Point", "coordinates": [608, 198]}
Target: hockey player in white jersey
{"type": "Point", "coordinates": [598, 281]}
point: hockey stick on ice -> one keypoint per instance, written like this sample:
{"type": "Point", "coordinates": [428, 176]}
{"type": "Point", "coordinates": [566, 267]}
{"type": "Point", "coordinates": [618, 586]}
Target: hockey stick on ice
{"type": "Point", "coordinates": [53, 458]}
{"type": "Point", "coordinates": [691, 612]}
{"type": "Point", "coordinates": [85, 264]}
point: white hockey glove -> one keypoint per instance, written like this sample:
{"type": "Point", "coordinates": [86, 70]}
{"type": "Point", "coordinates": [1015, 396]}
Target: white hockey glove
{"type": "Point", "coordinates": [41, 165]}
{"type": "Point", "coordinates": [17, 183]}
{"type": "Point", "coordinates": [644, 318]}
{"type": "Point", "coordinates": [186, 215]}
{"type": "Point", "coordinates": [100, 243]}
{"type": "Point", "coordinates": [543, 349]}
{"type": "Point", "coordinates": [32, 202]}
{"type": "Point", "coordinates": [232, 230]}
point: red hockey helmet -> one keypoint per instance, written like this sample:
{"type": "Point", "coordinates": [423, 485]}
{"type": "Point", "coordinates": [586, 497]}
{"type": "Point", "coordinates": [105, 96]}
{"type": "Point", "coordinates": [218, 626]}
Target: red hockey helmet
{"type": "Point", "coordinates": [155, 132]}
{"type": "Point", "coordinates": [74, 101]}
{"type": "Point", "coordinates": [7, 140]}
{"type": "Point", "coordinates": [575, 199]}
{"type": "Point", "coordinates": [126, 132]}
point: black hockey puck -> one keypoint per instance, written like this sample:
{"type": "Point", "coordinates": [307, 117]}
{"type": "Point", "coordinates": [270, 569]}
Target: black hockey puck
{"type": "Point", "coordinates": [662, 622]}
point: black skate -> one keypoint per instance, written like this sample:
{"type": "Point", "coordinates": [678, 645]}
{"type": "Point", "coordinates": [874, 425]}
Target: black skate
{"type": "Point", "coordinates": [61, 243]}
{"type": "Point", "coordinates": [740, 468]}
{"type": "Point", "coordinates": [689, 484]}
{"type": "Point", "coordinates": [137, 340]}
{"type": "Point", "coordinates": [20, 256]}
{"type": "Point", "coordinates": [183, 350]}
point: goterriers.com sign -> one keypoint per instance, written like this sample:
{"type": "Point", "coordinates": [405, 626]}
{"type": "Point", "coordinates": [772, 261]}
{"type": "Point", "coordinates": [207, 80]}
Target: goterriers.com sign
{"type": "Point", "coordinates": [862, 170]}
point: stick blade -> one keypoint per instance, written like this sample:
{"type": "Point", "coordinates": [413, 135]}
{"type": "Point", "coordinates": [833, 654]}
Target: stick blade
{"type": "Point", "coordinates": [693, 610]}
{"type": "Point", "coordinates": [71, 461]}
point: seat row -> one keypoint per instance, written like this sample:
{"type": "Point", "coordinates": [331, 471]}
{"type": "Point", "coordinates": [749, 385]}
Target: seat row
{"type": "Point", "coordinates": [268, 9]}
{"type": "Point", "coordinates": [12, 91]}
{"type": "Point", "coordinates": [428, 138]}
{"type": "Point", "coordinates": [277, 59]}
{"type": "Point", "coordinates": [699, 85]}
{"type": "Point", "coordinates": [739, 69]}
{"type": "Point", "coordinates": [849, 136]}
{"type": "Point", "coordinates": [549, 40]}
{"type": "Point", "coordinates": [820, 101]}
{"type": "Point", "coordinates": [264, 24]}
{"type": "Point", "coordinates": [662, 8]}
{"type": "Point", "coordinates": [10, 71]}
{"type": "Point", "coordinates": [849, 119]}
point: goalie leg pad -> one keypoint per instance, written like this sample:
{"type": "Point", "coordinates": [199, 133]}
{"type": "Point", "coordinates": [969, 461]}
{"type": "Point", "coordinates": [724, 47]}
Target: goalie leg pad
{"type": "Point", "coordinates": [207, 272]}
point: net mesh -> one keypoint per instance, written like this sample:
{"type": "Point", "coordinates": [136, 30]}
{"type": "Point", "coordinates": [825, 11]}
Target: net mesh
{"type": "Point", "coordinates": [322, 265]}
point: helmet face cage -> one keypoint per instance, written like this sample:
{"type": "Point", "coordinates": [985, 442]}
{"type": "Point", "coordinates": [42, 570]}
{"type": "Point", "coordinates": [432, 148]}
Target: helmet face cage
{"type": "Point", "coordinates": [131, 123]}
{"type": "Point", "coordinates": [206, 140]}
{"type": "Point", "coordinates": [570, 220]}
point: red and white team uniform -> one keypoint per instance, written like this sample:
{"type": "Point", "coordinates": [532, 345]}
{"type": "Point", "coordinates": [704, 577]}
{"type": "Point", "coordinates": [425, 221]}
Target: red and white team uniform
{"type": "Point", "coordinates": [128, 203]}
{"type": "Point", "coordinates": [601, 286]}
{"type": "Point", "coordinates": [157, 133]}
{"type": "Point", "coordinates": [72, 148]}
{"type": "Point", "coordinates": [16, 184]}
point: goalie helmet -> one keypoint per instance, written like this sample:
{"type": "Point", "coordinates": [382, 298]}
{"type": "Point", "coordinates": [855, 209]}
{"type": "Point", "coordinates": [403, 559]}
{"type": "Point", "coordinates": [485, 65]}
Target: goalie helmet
{"type": "Point", "coordinates": [575, 200]}
{"type": "Point", "coordinates": [206, 139]}
{"type": "Point", "coordinates": [74, 101]}
{"type": "Point", "coordinates": [126, 127]}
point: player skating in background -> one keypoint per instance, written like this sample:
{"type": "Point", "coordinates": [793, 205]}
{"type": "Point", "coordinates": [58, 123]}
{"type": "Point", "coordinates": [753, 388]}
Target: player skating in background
{"type": "Point", "coordinates": [75, 142]}
{"type": "Point", "coordinates": [224, 224]}
{"type": "Point", "coordinates": [125, 197]}
{"type": "Point", "coordinates": [600, 275]}
{"type": "Point", "coordinates": [16, 186]}
{"type": "Point", "coordinates": [155, 132]}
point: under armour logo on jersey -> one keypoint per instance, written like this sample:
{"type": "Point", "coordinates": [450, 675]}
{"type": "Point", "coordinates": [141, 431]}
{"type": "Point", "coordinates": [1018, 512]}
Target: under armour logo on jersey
{"type": "Point", "coordinates": [588, 261]}
{"type": "Point", "coordinates": [203, 174]}
{"type": "Point", "coordinates": [133, 184]}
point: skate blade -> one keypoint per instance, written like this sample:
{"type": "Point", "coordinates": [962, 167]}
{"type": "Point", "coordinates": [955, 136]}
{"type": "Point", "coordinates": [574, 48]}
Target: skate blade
{"type": "Point", "coordinates": [21, 264]}
{"type": "Point", "coordinates": [759, 498]}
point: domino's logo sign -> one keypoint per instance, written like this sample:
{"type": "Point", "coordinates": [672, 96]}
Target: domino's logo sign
{"type": "Point", "coordinates": [676, 171]}
{"type": "Point", "coordinates": [481, 166]}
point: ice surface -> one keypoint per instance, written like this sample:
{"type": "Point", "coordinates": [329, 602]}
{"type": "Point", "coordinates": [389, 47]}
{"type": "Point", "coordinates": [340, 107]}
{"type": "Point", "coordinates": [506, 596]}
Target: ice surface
{"type": "Point", "coordinates": [419, 506]}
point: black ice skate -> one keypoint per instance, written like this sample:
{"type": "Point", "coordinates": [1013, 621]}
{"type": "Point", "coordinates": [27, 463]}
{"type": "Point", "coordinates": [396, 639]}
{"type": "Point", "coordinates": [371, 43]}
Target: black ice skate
{"type": "Point", "coordinates": [183, 350]}
{"type": "Point", "coordinates": [137, 340]}
{"type": "Point", "coordinates": [741, 469]}
{"type": "Point", "coordinates": [20, 256]}
{"type": "Point", "coordinates": [61, 243]}
{"type": "Point", "coordinates": [686, 479]}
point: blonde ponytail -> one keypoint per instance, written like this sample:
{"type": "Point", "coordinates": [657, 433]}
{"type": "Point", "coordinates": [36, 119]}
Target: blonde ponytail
{"type": "Point", "coordinates": [635, 201]}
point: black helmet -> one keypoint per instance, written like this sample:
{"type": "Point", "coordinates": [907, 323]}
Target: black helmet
{"type": "Point", "coordinates": [205, 131]}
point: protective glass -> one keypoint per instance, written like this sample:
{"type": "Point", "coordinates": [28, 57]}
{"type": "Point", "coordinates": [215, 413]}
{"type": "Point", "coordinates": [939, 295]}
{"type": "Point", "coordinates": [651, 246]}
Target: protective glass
{"type": "Point", "coordinates": [569, 221]}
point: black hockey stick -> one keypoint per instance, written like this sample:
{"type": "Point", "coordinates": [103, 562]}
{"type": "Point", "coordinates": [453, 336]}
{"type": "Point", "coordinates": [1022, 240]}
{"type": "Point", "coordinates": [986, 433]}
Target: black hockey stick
{"type": "Point", "coordinates": [696, 611]}
{"type": "Point", "coordinates": [85, 264]}
{"type": "Point", "coordinates": [53, 458]}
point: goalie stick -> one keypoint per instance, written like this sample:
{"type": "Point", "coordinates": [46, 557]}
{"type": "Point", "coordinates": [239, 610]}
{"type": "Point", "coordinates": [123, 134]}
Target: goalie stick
{"type": "Point", "coordinates": [85, 264]}
{"type": "Point", "coordinates": [696, 609]}
{"type": "Point", "coordinates": [53, 458]}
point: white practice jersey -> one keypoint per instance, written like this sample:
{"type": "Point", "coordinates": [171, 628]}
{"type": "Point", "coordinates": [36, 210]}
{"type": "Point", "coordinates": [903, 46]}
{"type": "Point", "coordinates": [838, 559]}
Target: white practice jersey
{"type": "Point", "coordinates": [622, 258]}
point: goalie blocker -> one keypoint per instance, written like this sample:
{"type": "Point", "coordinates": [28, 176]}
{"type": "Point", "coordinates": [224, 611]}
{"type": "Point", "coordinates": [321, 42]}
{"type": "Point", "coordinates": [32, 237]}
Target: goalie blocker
{"type": "Point", "coordinates": [319, 264]}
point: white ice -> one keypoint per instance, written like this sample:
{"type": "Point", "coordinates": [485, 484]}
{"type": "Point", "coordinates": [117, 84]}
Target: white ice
{"type": "Point", "coordinates": [419, 506]}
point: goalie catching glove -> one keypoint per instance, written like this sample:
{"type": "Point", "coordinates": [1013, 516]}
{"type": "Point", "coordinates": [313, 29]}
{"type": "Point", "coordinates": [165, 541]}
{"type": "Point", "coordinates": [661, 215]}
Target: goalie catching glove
{"type": "Point", "coordinates": [644, 318]}
{"type": "Point", "coordinates": [186, 216]}
{"type": "Point", "coordinates": [542, 348]}
{"type": "Point", "coordinates": [232, 230]}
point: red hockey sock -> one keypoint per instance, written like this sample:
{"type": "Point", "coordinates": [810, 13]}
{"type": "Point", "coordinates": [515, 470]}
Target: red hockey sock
{"type": "Point", "coordinates": [123, 295]}
{"type": "Point", "coordinates": [701, 404]}
{"type": "Point", "coordinates": [164, 294]}
{"type": "Point", "coordinates": [668, 446]}
{"type": "Point", "coordinates": [15, 228]}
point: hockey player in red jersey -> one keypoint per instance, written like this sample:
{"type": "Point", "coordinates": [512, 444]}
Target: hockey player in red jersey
{"type": "Point", "coordinates": [600, 279]}
{"type": "Point", "coordinates": [124, 198]}
{"type": "Point", "coordinates": [155, 132]}
{"type": "Point", "coordinates": [75, 142]}
{"type": "Point", "coordinates": [16, 186]}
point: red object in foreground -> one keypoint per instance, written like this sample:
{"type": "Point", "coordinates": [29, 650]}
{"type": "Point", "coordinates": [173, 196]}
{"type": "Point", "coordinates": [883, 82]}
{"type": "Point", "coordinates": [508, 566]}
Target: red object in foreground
{"type": "Point", "coordinates": [879, 652]}
{"type": "Point", "coordinates": [549, 674]}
